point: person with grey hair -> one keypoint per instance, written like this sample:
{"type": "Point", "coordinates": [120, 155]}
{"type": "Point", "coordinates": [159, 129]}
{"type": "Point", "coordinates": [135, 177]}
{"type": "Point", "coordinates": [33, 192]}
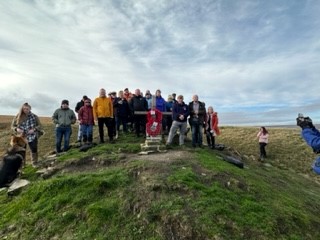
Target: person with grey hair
{"type": "Point", "coordinates": [197, 119]}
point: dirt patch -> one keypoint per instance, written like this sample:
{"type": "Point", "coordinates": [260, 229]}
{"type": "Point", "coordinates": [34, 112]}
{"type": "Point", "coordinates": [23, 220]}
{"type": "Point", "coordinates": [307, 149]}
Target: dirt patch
{"type": "Point", "coordinates": [91, 163]}
{"type": "Point", "coordinates": [169, 156]}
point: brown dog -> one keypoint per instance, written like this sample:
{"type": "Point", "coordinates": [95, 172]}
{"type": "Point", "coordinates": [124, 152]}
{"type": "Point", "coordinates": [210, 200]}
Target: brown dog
{"type": "Point", "coordinates": [18, 145]}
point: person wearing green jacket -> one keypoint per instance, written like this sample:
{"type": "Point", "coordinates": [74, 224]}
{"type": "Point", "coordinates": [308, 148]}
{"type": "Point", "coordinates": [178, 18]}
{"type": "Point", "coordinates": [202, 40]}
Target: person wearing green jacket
{"type": "Point", "coordinates": [63, 118]}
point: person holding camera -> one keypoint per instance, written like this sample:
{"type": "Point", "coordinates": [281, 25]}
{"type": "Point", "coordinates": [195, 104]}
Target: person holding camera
{"type": "Point", "coordinates": [312, 137]}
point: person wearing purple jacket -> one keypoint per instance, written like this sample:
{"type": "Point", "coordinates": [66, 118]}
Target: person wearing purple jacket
{"type": "Point", "coordinates": [180, 113]}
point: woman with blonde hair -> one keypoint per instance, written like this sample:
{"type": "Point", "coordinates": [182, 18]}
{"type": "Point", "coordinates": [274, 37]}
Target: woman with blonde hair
{"type": "Point", "coordinates": [27, 124]}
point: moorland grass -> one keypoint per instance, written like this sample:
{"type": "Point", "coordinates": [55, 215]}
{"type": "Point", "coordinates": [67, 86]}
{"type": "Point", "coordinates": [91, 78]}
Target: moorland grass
{"type": "Point", "coordinates": [202, 197]}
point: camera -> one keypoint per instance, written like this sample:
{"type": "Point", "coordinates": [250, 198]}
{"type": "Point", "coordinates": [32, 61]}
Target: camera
{"type": "Point", "coordinates": [304, 122]}
{"type": "Point", "coordinates": [302, 118]}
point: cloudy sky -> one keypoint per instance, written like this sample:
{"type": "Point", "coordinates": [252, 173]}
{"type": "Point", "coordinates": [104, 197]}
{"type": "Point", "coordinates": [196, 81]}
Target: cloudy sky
{"type": "Point", "coordinates": [256, 62]}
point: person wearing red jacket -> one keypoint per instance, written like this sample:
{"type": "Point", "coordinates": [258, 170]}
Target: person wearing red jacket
{"type": "Point", "coordinates": [85, 116]}
{"type": "Point", "coordinates": [211, 127]}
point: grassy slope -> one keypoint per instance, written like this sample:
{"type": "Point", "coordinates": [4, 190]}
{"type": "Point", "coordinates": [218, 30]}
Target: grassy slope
{"type": "Point", "coordinates": [201, 197]}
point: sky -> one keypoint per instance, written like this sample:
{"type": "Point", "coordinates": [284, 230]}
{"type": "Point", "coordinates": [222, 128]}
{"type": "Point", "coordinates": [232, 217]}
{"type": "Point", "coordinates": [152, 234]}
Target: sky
{"type": "Point", "coordinates": [256, 62]}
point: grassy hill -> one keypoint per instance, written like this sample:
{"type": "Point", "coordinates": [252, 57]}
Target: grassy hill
{"type": "Point", "coordinates": [111, 192]}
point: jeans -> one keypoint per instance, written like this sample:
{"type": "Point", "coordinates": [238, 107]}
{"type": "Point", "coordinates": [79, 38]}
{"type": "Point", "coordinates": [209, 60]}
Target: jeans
{"type": "Point", "coordinates": [63, 132]}
{"type": "Point", "coordinates": [87, 132]}
{"type": "Point", "coordinates": [197, 129]}
{"type": "Point", "coordinates": [182, 127]}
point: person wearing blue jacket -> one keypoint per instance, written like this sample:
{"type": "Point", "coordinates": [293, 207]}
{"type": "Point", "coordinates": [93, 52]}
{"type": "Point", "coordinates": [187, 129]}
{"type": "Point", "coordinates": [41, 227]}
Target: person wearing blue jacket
{"type": "Point", "coordinates": [180, 113]}
{"type": "Point", "coordinates": [161, 106]}
{"type": "Point", "coordinates": [312, 137]}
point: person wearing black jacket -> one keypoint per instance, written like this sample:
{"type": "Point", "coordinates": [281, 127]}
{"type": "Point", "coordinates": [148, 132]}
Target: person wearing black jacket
{"type": "Point", "coordinates": [180, 113]}
{"type": "Point", "coordinates": [197, 119]}
{"type": "Point", "coordinates": [77, 108]}
{"type": "Point", "coordinates": [123, 112]}
{"type": "Point", "coordinates": [138, 103]}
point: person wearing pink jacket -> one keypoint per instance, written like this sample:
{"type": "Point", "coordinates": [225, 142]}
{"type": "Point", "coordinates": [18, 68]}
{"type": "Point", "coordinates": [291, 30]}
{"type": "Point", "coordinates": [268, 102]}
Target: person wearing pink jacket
{"type": "Point", "coordinates": [263, 137]}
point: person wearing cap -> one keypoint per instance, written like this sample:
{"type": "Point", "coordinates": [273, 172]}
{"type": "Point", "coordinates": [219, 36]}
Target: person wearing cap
{"type": "Point", "coordinates": [103, 113]}
{"type": "Point", "coordinates": [28, 124]}
{"type": "Point", "coordinates": [77, 108]}
{"type": "Point", "coordinates": [85, 116]}
{"type": "Point", "coordinates": [174, 97]}
{"type": "Point", "coordinates": [180, 113]}
{"type": "Point", "coordinates": [63, 118]}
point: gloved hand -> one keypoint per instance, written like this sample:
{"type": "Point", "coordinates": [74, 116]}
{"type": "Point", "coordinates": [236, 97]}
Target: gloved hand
{"type": "Point", "coordinates": [304, 122]}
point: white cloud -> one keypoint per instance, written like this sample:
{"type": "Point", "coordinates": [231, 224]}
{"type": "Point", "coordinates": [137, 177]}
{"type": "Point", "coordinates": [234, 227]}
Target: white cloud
{"type": "Point", "coordinates": [243, 57]}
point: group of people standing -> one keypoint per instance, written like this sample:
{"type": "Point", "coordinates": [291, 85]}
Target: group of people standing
{"type": "Point", "coordinates": [200, 120]}
{"type": "Point", "coordinates": [125, 109]}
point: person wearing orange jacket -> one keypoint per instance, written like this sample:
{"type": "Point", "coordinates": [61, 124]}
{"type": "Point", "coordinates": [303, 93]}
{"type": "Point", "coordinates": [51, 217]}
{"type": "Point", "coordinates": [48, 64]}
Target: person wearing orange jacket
{"type": "Point", "coordinates": [211, 127]}
{"type": "Point", "coordinates": [103, 113]}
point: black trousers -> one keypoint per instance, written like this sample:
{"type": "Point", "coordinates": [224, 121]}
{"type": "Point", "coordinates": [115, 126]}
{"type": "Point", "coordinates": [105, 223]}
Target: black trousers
{"type": "Point", "coordinates": [140, 124]}
{"type": "Point", "coordinates": [33, 145]}
{"type": "Point", "coordinates": [109, 124]}
{"type": "Point", "coordinates": [210, 138]}
{"type": "Point", "coordinates": [263, 149]}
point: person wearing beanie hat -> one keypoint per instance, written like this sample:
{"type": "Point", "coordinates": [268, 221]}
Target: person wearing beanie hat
{"type": "Point", "coordinates": [85, 116]}
{"type": "Point", "coordinates": [77, 108]}
{"type": "Point", "coordinates": [65, 102]}
{"type": "Point", "coordinates": [63, 117]}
